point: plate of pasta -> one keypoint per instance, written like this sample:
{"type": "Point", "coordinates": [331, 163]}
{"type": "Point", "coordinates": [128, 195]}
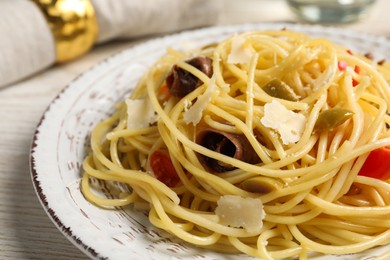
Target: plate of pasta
{"type": "Point", "coordinates": [264, 141]}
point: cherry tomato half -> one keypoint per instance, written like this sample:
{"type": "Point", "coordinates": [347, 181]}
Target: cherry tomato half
{"type": "Point", "coordinates": [377, 164]}
{"type": "Point", "coordinates": [163, 169]}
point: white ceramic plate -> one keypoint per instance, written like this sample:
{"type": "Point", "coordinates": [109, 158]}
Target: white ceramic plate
{"type": "Point", "coordinates": [62, 136]}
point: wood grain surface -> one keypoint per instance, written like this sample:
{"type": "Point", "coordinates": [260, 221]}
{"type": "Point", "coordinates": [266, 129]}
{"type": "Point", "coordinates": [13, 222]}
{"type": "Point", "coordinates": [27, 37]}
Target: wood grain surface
{"type": "Point", "coordinates": [26, 232]}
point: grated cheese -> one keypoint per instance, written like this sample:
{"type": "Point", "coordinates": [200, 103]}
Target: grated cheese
{"type": "Point", "coordinates": [239, 212]}
{"type": "Point", "coordinates": [140, 113]}
{"type": "Point", "coordinates": [288, 124]}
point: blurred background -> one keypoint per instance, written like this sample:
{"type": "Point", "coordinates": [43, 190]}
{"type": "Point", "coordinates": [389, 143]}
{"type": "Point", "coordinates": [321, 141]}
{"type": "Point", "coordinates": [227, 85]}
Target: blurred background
{"type": "Point", "coordinates": [122, 23]}
{"type": "Point", "coordinates": [361, 15]}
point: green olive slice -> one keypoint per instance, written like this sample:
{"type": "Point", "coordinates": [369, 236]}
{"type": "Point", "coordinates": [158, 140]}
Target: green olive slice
{"type": "Point", "coordinates": [261, 185]}
{"type": "Point", "coordinates": [332, 118]}
{"type": "Point", "coordinates": [279, 89]}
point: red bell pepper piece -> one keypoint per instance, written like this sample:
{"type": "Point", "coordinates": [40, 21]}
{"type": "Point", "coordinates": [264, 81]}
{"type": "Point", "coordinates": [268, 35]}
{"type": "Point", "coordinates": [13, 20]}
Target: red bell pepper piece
{"type": "Point", "coordinates": [355, 82]}
{"type": "Point", "coordinates": [357, 69]}
{"type": "Point", "coordinates": [377, 164]}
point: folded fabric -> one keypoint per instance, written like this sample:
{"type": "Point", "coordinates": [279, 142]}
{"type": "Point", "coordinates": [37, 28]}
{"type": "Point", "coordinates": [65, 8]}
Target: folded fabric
{"type": "Point", "coordinates": [27, 45]}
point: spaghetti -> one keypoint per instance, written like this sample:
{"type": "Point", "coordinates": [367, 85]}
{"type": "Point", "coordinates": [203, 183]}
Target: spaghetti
{"type": "Point", "coordinates": [264, 144]}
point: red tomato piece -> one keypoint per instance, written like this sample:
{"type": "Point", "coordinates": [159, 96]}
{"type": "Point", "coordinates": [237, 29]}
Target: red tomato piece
{"type": "Point", "coordinates": [377, 164]}
{"type": "Point", "coordinates": [163, 169]}
{"type": "Point", "coordinates": [342, 65]}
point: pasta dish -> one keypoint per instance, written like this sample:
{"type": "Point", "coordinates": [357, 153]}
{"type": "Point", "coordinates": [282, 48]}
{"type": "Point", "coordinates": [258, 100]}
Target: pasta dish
{"type": "Point", "coordinates": [269, 143]}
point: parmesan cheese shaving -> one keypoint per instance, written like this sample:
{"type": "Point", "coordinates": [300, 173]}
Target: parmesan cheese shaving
{"type": "Point", "coordinates": [186, 104]}
{"type": "Point", "coordinates": [140, 113]}
{"type": "Point", "coordinates": [288, 124]}
{"type": "Point", "coordinates": [239, 54]}
{"type": "Point", "coordinates": [195, 112]}
{"type": "Point", "coordinates": [239, 212]}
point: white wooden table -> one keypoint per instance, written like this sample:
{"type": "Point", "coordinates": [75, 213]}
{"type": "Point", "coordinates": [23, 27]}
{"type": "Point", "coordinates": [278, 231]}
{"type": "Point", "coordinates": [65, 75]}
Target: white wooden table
{"type": "Point", "coordinates": [26, 232]}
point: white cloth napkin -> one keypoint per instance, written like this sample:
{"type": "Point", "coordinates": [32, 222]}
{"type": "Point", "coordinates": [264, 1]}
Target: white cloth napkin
{"type": "Point", "coordinates": [27, 45]}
